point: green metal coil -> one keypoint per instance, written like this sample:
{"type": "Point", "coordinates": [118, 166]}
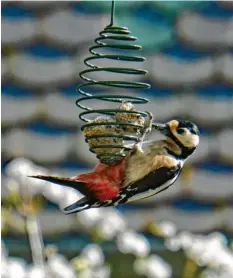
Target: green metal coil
{"type": "Point", "coordinates": [115, 34]}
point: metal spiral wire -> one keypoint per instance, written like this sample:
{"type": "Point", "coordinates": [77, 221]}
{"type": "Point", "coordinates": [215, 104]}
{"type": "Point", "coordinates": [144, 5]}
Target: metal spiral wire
{"type": "Point", "coordinates": [115, 34]}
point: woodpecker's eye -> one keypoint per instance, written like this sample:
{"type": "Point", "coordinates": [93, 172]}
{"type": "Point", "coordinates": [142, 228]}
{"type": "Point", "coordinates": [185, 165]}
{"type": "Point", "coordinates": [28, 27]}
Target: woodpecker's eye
{"type": "Point", "coordinates": [180, 130]}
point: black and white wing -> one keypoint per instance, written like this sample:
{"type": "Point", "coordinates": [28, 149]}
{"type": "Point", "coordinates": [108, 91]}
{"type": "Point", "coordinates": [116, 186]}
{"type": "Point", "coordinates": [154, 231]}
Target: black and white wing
{"type": "Point", "coordinates": [153, 183]}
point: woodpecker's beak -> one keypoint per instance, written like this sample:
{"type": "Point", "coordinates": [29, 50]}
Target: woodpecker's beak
{"type": "Point", "coordinates": [162, 128]}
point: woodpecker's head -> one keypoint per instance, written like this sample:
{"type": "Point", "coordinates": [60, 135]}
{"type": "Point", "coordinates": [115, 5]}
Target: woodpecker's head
{"type": "Point", "coordinates": [184, 134]}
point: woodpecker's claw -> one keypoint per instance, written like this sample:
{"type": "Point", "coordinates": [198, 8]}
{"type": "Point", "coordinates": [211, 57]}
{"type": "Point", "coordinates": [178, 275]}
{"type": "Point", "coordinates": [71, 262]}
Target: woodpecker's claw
{"type": "Point", "coordinates": [149, 122]}
{"type": "Point", "coordinates": [147, 128]}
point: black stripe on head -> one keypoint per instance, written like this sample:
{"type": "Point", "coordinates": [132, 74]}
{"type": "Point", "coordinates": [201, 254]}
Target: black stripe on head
{"type": "Point", "coordinates": [185, 152]}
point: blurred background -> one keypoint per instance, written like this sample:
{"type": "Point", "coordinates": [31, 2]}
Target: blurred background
{"type": "Point", "coordinates": [185, 231]}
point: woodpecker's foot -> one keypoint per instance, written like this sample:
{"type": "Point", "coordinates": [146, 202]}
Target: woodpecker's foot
{"type": "Point", "coordinates": [149, 122]}
{"type": "Point", "coordinates": [147, 128]}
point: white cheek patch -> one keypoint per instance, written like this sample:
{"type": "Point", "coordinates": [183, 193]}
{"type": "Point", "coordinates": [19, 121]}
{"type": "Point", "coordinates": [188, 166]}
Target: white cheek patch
{"type": "Point", "coordinates": [188, 139]}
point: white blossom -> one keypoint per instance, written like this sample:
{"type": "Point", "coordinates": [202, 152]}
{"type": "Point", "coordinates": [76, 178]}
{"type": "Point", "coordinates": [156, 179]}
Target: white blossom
{"type": "Point", "coordinates": [89, 218]}
{"type": "Point", "coordinates": [153, 267]}
{"type": "Point", "coordinates": [130, 242]}
{"type": "Point", "coordinates": [36, 272]}
{"type": "Point", "coordinates": [94, 254]}
{"type": "Point", "coordinates": [16, 268]}
{"type": "Point", "coordinates": [20, 169]}
{"type": "Point", "coordinates": [60, 267]}
{"type": "Point", "coordinates": [167, 228]}
{"type": "Point", "coordinates": [111, 224]}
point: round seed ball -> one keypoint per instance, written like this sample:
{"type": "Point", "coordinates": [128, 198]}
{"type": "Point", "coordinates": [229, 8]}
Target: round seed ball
{"type": "Point", "coordinates": [101, 130]}
{"type": "Point", "coordinates": [133, 118]}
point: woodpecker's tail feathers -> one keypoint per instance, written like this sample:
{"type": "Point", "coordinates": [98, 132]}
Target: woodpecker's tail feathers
{"type": "Point", "coordinates": [78, 206]}
{"type": "Point", "coordinates": [69, 182]}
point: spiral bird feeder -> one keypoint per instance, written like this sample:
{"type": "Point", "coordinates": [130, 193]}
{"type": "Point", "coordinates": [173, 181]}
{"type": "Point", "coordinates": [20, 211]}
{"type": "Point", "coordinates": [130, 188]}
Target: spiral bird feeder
{"type": "Point", "coordinates": [106, 134]}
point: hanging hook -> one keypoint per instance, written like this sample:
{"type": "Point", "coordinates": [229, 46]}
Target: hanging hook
{"type": "Point", "coordinates": [112, 13]}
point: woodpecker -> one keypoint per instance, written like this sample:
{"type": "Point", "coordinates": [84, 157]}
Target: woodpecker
{"type": "Point", "coordinates": [150, 168]}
